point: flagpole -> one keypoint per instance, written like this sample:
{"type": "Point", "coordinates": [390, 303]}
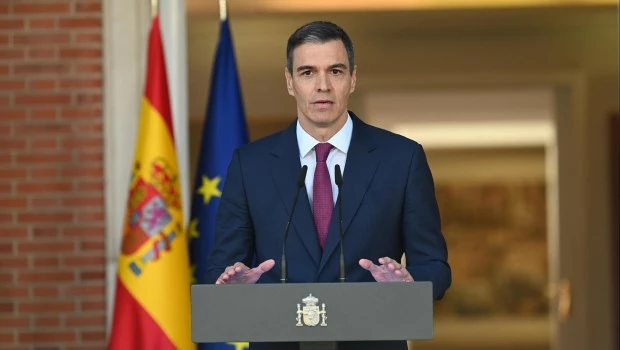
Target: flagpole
{"type": "Point", "coordinates": [223, 9]}
{"type": "Point", "coordinates": [154, 8]}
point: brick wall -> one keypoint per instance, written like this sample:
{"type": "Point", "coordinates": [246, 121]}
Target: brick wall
{"type": "Point", "coordinates": [52, 278]}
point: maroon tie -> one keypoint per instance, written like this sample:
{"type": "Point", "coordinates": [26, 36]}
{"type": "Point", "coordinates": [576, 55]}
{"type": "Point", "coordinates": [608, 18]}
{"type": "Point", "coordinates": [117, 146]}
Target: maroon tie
{"type": "Point", "coordinates": [322, 197]}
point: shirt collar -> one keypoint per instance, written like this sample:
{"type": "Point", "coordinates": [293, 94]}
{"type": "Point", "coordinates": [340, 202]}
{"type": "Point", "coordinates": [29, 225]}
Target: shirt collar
{"type": "Point", "coordinates": [341, 140]}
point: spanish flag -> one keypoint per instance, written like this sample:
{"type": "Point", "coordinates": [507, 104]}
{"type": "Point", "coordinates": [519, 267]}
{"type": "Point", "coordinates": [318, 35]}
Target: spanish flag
{"type": "Point", "coordinates": [152, 303]}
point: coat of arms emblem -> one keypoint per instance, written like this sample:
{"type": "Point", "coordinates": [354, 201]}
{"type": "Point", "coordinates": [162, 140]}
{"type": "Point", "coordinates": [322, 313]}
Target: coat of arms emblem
{"type": "Point", "coordinates": [310, 314]}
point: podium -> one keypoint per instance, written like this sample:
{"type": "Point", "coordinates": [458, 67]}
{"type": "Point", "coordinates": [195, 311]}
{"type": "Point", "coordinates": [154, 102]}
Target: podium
{"type": "Point", "coordinates": [315, 314]}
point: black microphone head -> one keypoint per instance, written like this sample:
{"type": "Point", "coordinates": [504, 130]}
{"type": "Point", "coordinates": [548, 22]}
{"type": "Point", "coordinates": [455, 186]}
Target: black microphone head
{"type": "Point", "coordinates": [338, 177]}
{"type": "Point", "coordinates": [301, 180]}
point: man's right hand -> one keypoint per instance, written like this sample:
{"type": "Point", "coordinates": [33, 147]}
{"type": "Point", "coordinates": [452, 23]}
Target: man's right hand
{"type": "Point", "coordinates": [241, 274]}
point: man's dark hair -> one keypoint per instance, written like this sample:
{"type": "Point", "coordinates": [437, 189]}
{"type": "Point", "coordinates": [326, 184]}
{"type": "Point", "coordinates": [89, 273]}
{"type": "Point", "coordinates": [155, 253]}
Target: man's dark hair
{"type": "Point", "coordinates": [318, 32]}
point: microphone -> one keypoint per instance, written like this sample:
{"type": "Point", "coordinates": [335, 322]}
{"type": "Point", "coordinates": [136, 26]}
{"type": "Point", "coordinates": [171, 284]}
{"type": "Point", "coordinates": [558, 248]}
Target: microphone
{"type": "Point", "coordinates": [338, 180]}
{"type": "Point", "coordinates": [301, 182]}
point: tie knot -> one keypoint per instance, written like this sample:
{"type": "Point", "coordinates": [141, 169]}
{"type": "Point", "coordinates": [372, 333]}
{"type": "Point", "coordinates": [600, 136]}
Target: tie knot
{"type": "Point", "coordinates": [322, 151]}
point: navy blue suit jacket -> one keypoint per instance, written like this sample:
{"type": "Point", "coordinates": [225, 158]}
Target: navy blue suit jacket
{"type": "Point", "coordinates": [389, 208]}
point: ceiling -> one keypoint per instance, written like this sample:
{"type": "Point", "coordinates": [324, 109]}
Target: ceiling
{"type": "Point", "coordinates": [400, 40]}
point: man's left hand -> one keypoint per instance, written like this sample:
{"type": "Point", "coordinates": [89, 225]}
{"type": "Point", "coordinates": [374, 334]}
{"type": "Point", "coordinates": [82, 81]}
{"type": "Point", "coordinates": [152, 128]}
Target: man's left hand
{"type": "Point", "coordinates": [388, 270]}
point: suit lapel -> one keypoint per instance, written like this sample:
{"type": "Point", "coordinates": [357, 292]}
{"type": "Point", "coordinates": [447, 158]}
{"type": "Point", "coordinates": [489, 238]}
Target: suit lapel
{"type": "Point", "coordinates": [361, 164]}
{"type": "Point", "coordinates": [285, 167]}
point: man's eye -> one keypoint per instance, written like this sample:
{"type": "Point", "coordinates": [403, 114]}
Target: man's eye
{"type": "Point", "coordinates": [306, 72]}
{"type": "Point", "coordinates": [336, 71]}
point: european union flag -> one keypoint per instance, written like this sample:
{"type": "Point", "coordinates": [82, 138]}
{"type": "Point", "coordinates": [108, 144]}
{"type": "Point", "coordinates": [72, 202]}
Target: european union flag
{"type": "Point", "coordinates": [225, 130]}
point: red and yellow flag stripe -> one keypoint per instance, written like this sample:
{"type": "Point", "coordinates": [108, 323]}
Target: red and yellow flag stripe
{"type": "Point", "coordinates": [152, 303]}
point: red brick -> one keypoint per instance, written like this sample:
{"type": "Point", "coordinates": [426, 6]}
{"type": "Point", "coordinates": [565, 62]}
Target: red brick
{"type": "Point", "coordinates": [42, 232]}
{"type": "Point", "coordinates": [80, 83]}
{"type": "Point", "coordinates": [79, 53]}
{"type": "Point", "coordinates": [46, 337]}
{"type": "Point", "coordinates": [6, 278]}
{"type": "Point", "coordinates": [45, 217]}
{"type": "Point", "coordinates": [4, 9]}
{"type": "Point", "coordinates": [43, 173]}
{"type": "Point", "coordinates": [6, 188]}
{"type": "Point", "coordinates": [90, 186]}
{"type": "Point", "coordinates": [92, 305]}
{"type": "Point", "coordinates": [42, 84]}
{"type": "Point", "coordinates": [43, 187]}
{"type": "Point", "coordinates": [43, 114]}
{"type": "Point", "coordinates": [96, 156]}
{"type": "Point", "coordinates": [46, 291]}
{"type": "Point", "coordinates": [7, 338]}
{"type": "Point", "coordinates": [13, 322]}
{"type": "Point", "coordinates": [92, 246]}
{"type": "Point", "coordinates": [12, 203]}
{"type": "Point", "coordinates": [47, 321]}
{"type": "Point", "coordinates": [85, 291]}
{"type": "Point", "coordinates": [47, 128]}
{"type": "Point", "coordinates": [5, 219]}
{"type": "Point", "coordinates": [88, 6]}
{"type": "Point", "coordinates": [93, 22]}
{"type": "Point", "coordinates": [14, 232]}
{"type": "Point", "coordinates": [4, 69]}
{"type": "Point", "coordinates": [4, 39]}
{"type": "Point", "coordinates": [53, 158]}
{"type": "Point", "coordinates": [9, 23]}
{"type": "Point", "coordinates": [6, 248]}
{"type": "Point", "coordinates": [12, 54]}
{"type": "Point", "coordinates": [39, 8]}
{"type": "Point", "coordinates": [81, 202]}
{"type": "Point", "coordinates": [42, 99]}
{"type": "Point", "coordinates": [89, 336]}
{"type": "Point", "coordinates": [42, 53]}
{"type": "Point", "coordinates": [48, 144]}
{"type": "Point", "coordinates": [45, 261]}
{"type": "Point", "coordinates": [12, 144]}
{"type": "Point", "coordinates": [42, 23]}
{"type": "Point", "coordinates": [92, 275]}
{"type": "Point", "coordinates": [43, 68]}
{"type": "Point", "coordinates": [7, 173]}
{"type": "Point", "coordinates": [12, 85]}
{"type": "Point", "coordinates": [89, 99]}
{"type": "Point", "coordinates": [46, 247]}
{"type": "Point", "coordinates": [12, 292]}
{"type": "Point", "coordinates": [84, 231]}
{"type": "Point", "coordinates": [83, 217]}
{"type": "Point", "coordinates": [53, 276]}
{"type": "Point", "coordinates": [72, 321]}
{"type": "Point", "coordinates": [88, 38]}
{"type": "Point", "coordinates": [82, 171]}
{"type": "Point", "coordinates": [13, 114]}
{"type": "Point", "coordinates": [6, 307]}
{"type": "Point", "coordinates": [14, 262]}
{"type": "Point", "coordinates": [43, 38]}
{"type": "Point", "coordinates": [88, 68]}
{"type": "Point", "coordinates": [79, 113]}
{"type": "Point", "coordinates": [96, 127]}
{"type": "Point", "coordinates": [83, 143]}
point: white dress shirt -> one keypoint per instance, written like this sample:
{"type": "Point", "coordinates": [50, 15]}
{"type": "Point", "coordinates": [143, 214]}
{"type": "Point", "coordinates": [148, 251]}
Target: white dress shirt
{"type": "Point", "coordinates": [337, 155]}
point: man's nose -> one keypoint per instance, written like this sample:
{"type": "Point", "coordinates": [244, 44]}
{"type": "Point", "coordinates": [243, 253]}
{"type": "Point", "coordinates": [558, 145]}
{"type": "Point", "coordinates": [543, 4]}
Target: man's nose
{"type": "Point", "coordinates": [323, 83]}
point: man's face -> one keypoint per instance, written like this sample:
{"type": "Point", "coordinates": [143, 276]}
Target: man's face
{"type": "Point", "coordinates": [321, 83]}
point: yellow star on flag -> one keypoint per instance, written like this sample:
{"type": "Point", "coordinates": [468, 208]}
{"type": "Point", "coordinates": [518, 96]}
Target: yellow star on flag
{"type": "Point", "coordinates": [193, 229]}
{"type": "Point", "coordinates": [240, 346]}
{"type": "Point", "coordinates": [209, 189]}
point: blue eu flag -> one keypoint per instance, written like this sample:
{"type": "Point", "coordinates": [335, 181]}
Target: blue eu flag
{"type": "Point", "coordinates": [225, 130]}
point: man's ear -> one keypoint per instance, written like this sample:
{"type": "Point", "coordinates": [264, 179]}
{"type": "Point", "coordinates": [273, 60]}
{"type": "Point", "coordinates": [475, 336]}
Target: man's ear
{"type": "Point", "coordinates": [289, 82]}
{"type": "Point", "coordinates": [353, 79]}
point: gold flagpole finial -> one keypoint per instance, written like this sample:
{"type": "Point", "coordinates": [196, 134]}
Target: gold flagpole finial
{"type": "Point", "coordinates": [223, 9]}
{"type": "Point", "coordinates": [154, 8]}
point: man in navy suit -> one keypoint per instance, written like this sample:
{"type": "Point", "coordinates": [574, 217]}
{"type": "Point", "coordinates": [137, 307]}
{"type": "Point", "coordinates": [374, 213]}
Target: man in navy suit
{"type": "Point", "coordinates": [388, 200]}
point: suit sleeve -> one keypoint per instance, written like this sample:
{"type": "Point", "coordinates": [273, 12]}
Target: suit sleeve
{"type": "Point", "coordinates": [234, 233]}
{"type": "Point", "coordinates": [425, 245]}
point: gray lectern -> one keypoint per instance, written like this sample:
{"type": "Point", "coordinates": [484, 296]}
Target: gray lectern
{"type": "Point", "coordinates": [315, 314]}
